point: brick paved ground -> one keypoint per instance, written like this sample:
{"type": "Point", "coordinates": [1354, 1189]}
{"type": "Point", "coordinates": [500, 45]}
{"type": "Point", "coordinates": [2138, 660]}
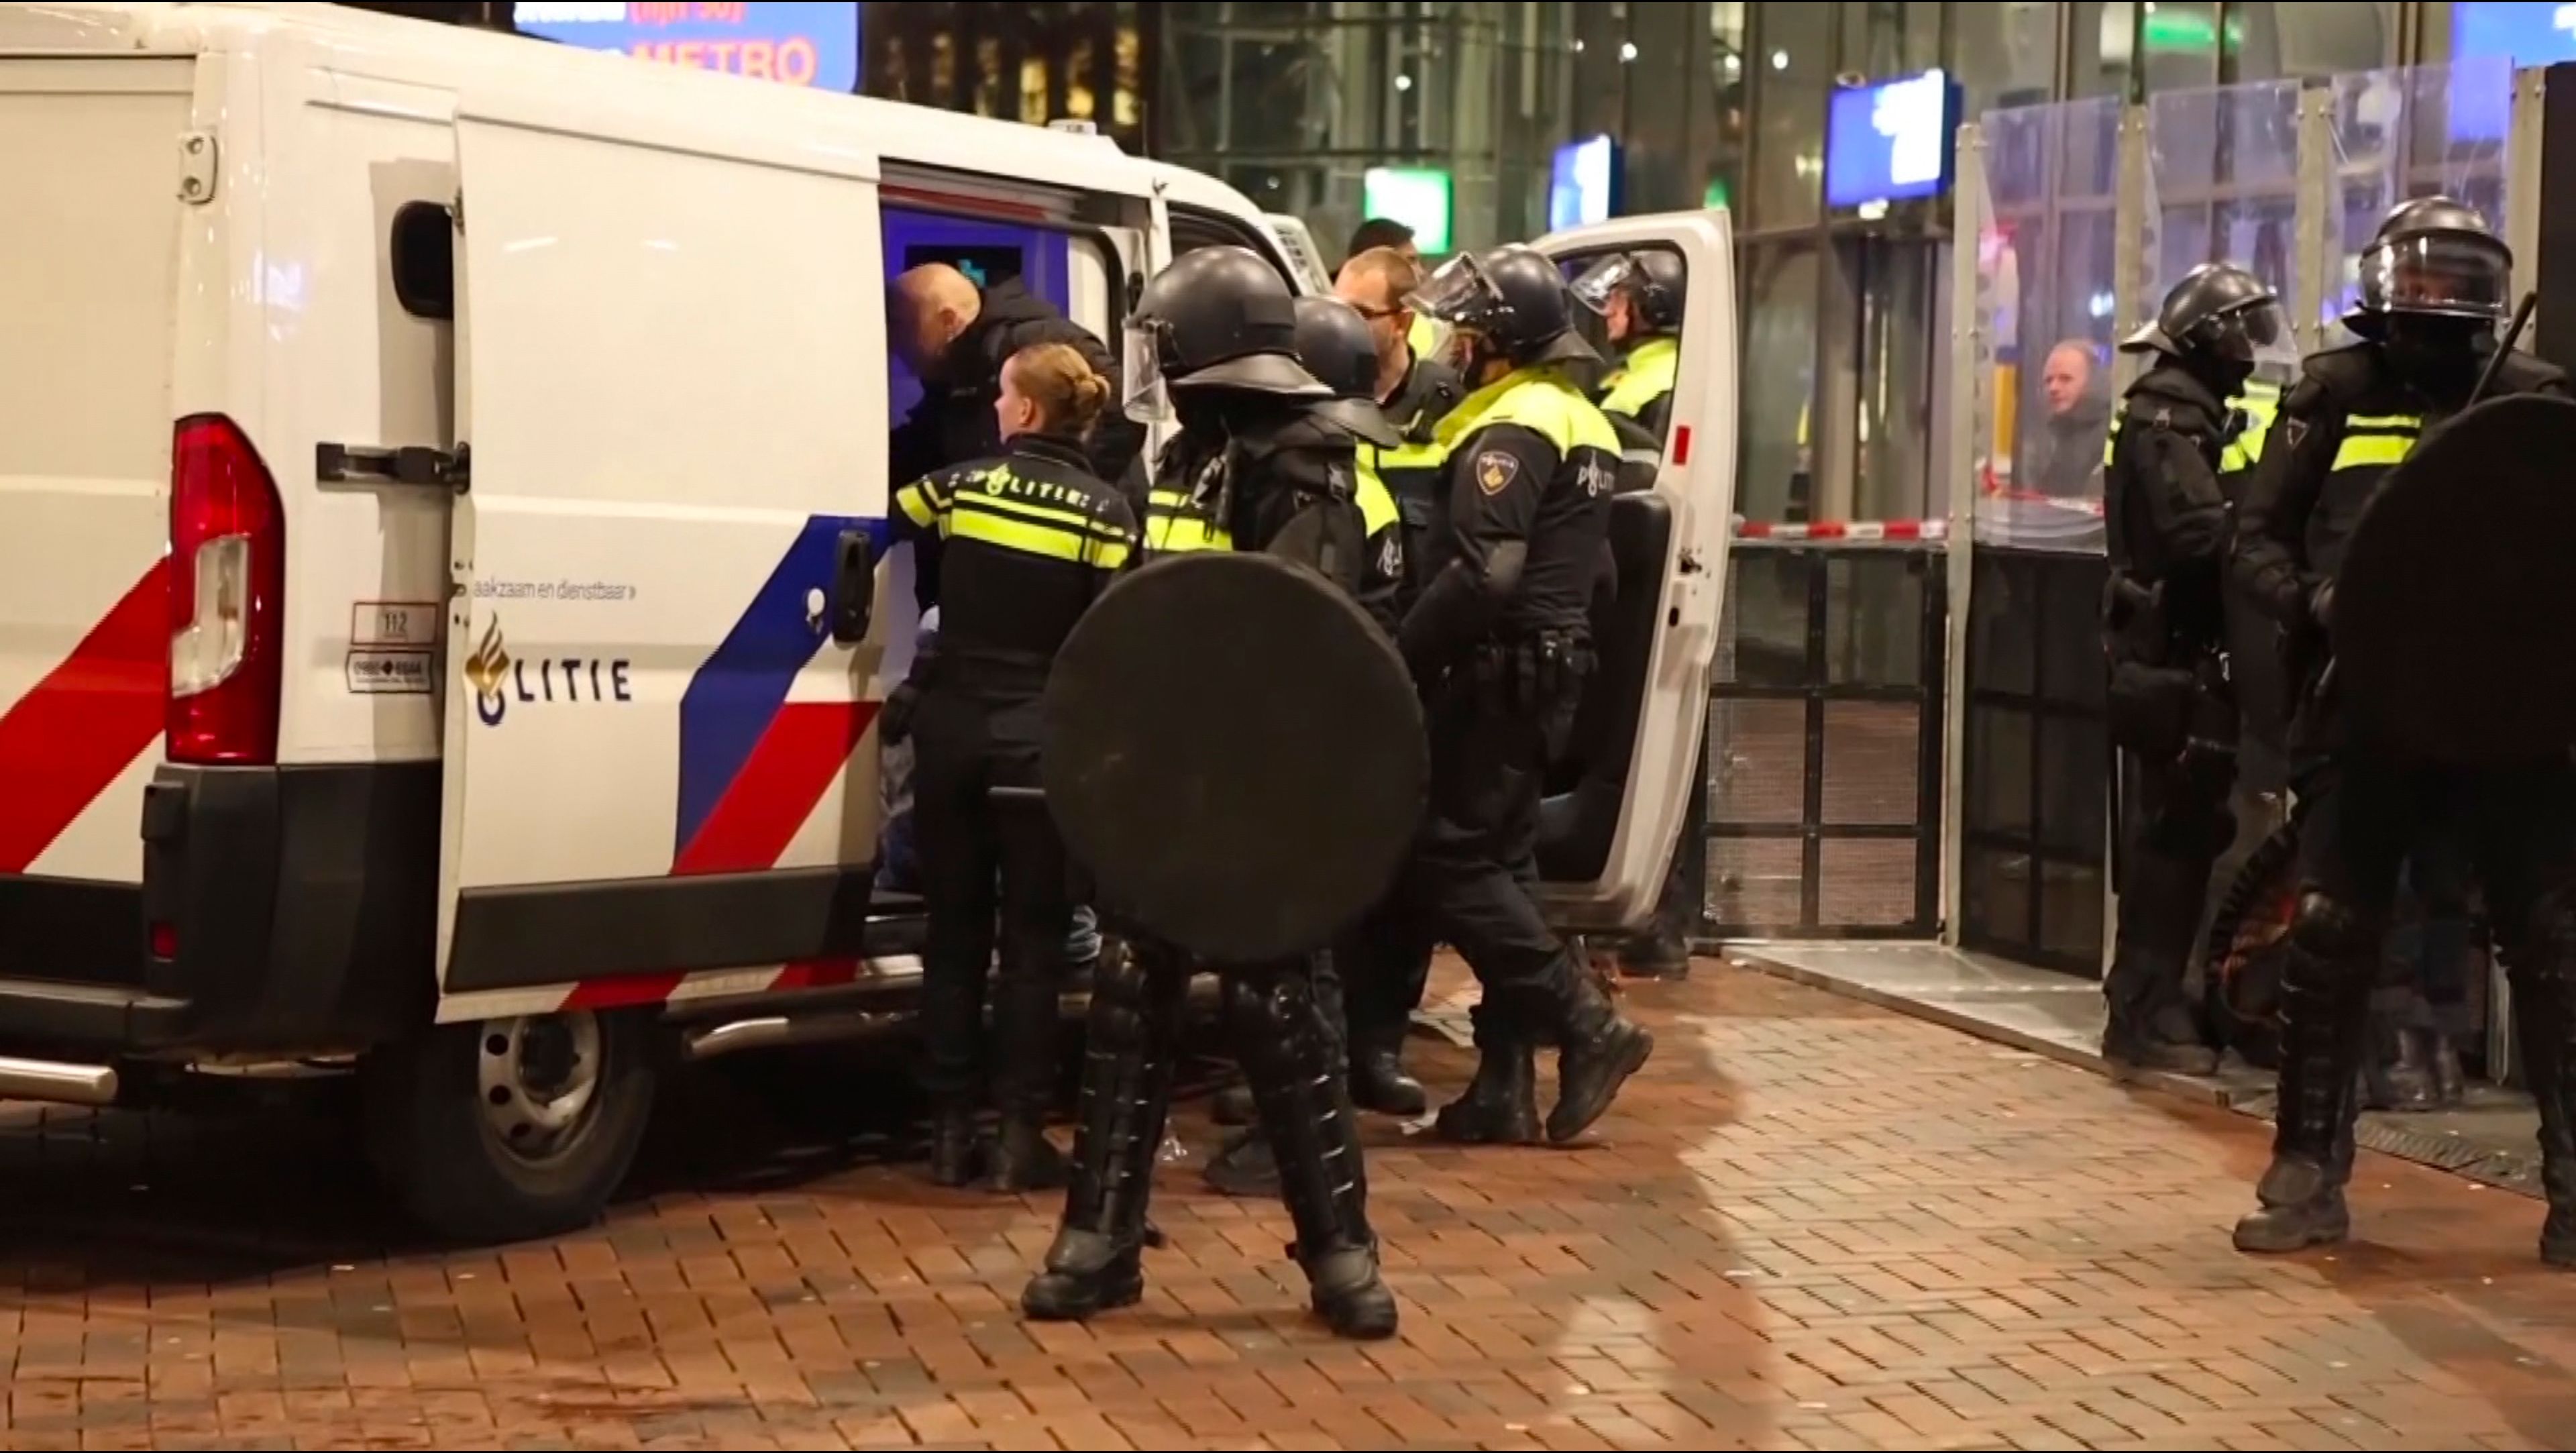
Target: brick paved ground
{"type": "Point", "coordinates": [1813, 1224]}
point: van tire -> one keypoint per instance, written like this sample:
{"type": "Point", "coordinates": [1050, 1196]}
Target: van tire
{"type": "Point", "coordinates": [510, 1129]}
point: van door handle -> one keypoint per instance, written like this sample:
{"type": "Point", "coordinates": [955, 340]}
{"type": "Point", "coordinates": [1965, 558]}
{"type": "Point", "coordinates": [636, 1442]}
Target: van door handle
{"type": "Point", "coordinates": [854, 587]}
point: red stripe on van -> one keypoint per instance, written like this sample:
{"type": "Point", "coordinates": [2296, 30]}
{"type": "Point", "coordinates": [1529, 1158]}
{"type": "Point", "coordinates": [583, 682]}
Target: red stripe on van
{"type": "Point", "coordinates": [85, 723]}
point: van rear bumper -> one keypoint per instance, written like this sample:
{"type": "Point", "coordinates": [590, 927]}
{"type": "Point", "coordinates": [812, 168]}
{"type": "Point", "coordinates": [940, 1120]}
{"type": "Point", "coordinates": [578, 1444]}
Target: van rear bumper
{"type": "Point", "coordinates": [283, 910]}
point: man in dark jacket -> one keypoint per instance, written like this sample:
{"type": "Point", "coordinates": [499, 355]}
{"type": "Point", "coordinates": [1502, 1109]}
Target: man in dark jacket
{"type": "Point", "coordinates": [955, 336]}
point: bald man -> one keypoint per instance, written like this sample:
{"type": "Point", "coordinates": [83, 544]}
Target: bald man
{"type": "Point", "coordinates": [2079, 423]}
{"type": "Point", "coordinates": [955, 336]}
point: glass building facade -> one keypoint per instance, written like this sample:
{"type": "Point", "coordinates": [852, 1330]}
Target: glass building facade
{"type": "Point", "coordinates": [1845, 316]}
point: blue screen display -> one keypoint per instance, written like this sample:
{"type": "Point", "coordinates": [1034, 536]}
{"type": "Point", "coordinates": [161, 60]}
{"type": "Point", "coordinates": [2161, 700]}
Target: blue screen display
{"type": "Point", "coordinates": [2520, 34]}
{"type": "Point", "coordinates": [1890, 141]}
{"type": "Point", "coordinates": [801, 44]}
{"type": "Point", "coordinates": [1583, 186]}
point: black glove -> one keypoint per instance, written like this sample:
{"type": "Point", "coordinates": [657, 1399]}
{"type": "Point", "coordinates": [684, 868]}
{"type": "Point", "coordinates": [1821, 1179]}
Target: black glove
{"type": "Point", "coordinates": [894, 723]}
{"type": "Point", "coordinates": [2321, 606]}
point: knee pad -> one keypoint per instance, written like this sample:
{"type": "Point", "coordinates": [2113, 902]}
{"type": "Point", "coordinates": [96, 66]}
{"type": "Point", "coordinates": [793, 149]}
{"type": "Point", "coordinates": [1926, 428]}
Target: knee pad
{"type": "Point", "coordinates": [2326, 928]}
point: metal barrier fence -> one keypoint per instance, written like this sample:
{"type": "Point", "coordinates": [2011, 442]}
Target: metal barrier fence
{"type": "Point", "coordinates": [1819, 809]}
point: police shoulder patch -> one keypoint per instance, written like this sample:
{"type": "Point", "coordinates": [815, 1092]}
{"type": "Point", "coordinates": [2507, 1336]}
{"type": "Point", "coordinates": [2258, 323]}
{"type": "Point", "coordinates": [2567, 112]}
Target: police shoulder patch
{"type": "Point", "coordinates": [2294, 430]}
{"type": "Point", "coordinates": [1496, 469]}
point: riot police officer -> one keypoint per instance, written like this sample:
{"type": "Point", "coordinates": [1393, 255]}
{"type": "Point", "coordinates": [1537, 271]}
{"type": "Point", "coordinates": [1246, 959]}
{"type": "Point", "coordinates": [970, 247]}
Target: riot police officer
{"type": "Point", "coordinates": [2433, 286]}
{"type": "Point", "coordinates": [1255, 466]}
{"type": "Point", "coordinates": [1333, 343]}
{"type": "Point", "coordinates": [1499, 643]}
{"type": "Point", "coordinates": [2172, 713]}
{"type": "Point", "coordinates": [1640, 296]}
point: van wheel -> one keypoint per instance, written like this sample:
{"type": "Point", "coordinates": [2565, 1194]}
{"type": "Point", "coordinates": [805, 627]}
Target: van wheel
{"type": "Point", "coordinates": [511, 1128]}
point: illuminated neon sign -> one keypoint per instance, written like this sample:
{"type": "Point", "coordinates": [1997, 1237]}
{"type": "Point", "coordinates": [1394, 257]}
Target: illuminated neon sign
{"type": "Point", "coordinates": [800, 44]}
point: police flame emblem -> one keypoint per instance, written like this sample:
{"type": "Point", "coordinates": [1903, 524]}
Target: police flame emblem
{"type": "Point", "coordinates": [486, 671]}
{"type": "Point", "coordinates": [1495, 470]}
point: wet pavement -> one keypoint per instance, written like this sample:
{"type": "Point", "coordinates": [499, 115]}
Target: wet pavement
{"type": "Point", "coordinates": [1811, 1222]}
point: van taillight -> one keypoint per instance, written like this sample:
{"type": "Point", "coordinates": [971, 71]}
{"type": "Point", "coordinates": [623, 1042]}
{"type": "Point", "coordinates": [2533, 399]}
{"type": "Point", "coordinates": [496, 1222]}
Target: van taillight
{"type": "Point", "coordinates": [227, 597]}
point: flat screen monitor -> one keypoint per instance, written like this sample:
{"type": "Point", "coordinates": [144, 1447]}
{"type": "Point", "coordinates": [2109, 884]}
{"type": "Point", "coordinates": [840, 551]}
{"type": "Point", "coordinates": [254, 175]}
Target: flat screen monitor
{"type": "Point", "coordinates": [1583, 185]}
{"type": "Point", "coordinates": [1420, 197]}
{"type": "Point", "coordinates": [803, 45]}
{"type": "Point", "coordinates": [2502, 36]}
{"type": "Point", "coordinates": [1890, 141]}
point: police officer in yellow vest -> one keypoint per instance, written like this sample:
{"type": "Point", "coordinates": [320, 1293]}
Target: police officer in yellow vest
{"type": "Point", "coordinates": [1255, 466]}
{"type": "Point", "coordinates": [1639, 296]}
{"type": "Point", "coordinates": [1500, 644]}
{"type": "Point", "coordinates": [2433, 287]}
{"type": "Point", "coordinates": [2172, 711]}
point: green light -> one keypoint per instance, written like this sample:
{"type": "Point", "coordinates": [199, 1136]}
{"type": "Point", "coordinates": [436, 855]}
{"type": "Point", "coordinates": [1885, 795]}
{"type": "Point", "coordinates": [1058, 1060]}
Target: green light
{"type": "Point", "coordinates": [1715, 196]}
{"type": "Point", "coordinates": [1417, 196]}
{"type": "Point", "coordinates": [2171, 29]}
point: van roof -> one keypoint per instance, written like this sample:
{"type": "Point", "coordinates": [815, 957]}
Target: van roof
{"type": "Point", "coordinates": [399, 48]}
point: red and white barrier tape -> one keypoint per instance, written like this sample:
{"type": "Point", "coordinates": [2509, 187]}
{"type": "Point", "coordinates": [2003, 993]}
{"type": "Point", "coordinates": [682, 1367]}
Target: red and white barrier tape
{"type": "Point", "coordinates": [1823, 530]}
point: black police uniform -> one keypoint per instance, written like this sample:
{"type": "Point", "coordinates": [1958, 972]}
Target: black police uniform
{"type": "Point", "coordinates": [1500, 644]}
{"type": "Point", "coordinates": [2172, 709]}
{"type": "Point", "coordinates": [2433, 286]}
{"type": "Point", "coordinates": [1012, 550]}
{"type": "Point", "coordinates": [1256, 467]}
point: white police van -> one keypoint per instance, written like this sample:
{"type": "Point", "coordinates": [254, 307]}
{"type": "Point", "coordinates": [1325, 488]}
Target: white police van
{"type": "Point", "coordinates": [441, 480]}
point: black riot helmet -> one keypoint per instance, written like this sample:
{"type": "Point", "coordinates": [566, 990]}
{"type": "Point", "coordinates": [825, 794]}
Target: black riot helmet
{"type": "Point", "coordinates": [1217, 318]}
{"type": "Point", "coordinates": [1653, 281]}
{"type": "Point", "coordinates": [2432, 258]}
{"type": "Point", "coordinates": [1511, 302]}
{"type": "Point", "coordinates": [1335, 344]}
{"type": "Point", "coordinates": [2218, 312]}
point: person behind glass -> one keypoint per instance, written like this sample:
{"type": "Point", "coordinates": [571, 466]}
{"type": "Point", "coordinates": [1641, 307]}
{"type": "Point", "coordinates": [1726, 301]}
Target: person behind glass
{"type": "Point", "coordinates": [2433, 288]}
{"type": "Point", "coordinates": [1011, 550]}
{"type": "Point", "coordinates": [2171, 710]}
{"type": "Point", "coordinates": [2069, 446]}
{"type": "Point", "coordinates": [1500, 644]}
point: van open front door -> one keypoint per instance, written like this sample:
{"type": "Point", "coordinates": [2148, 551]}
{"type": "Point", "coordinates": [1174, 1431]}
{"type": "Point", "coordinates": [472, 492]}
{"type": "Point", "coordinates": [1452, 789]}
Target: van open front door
{"type": "Point", "coordinates": [1620, 797]}
{"type": "Point", "coordinates": [660, 675]}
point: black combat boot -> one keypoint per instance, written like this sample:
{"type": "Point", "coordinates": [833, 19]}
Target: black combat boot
{"type": "Point", "coordinates": [1597, 1051]}
{"type": "Point", "coordinates": [954, 1148]}
{"type": "Point", "coordinates": [1659, 952]}
{"type": "Point", "coordinates": [2325, 1017]}
{"type": "Point", "coordinates": [1306, 1114]}
{"type": "Point", "coordinates": [2450, 1081]}
{"type": "Point", "coordinates": [1501, 1103]}
{"type": "Point", "coordinates": [1023, 1159]}
{"type": "Point", "coordinates": [2544, 1020]}
{"type": "Point", "coordinates": [1378, 1080]}
{"type": "Point", "coordinates": [2142, 1035]}
{"type": "Point", "coordinates": [1232, 1105]}
{"type": "Point", "coordinates": [1097, 1261]}
{"type": "Point", "coordinates": [1244, 1167]}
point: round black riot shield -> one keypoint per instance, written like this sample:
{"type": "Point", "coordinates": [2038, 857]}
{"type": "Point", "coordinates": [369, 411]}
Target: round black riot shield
{"type": "Point", "coordinates": [1235, 754]}
{"type": "Point", "coordinates": [2455, 602]}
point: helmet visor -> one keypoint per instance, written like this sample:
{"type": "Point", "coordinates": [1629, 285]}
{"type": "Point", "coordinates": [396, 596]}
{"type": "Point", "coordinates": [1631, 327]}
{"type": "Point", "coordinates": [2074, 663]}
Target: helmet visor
{"type": "Point", "coordinates": [1140, 362]}
{"type": "Point", "coordinates": [2244, 334]}
{"type": "Point", "coordinates": [1458, 293]}
{"type": "Point", "coordinates": [2449, 274]}
{"type": "Point", "coordinates": [1597, 284]}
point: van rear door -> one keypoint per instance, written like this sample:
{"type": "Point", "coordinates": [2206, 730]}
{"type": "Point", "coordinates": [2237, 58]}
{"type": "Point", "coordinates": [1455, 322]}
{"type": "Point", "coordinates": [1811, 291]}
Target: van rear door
{"type": "Point", "coordinates": [91, 162]}
{"type": "Point", "coordinates": [1623, 795]}
{"type": "Point", "coordinates": [677, 398]}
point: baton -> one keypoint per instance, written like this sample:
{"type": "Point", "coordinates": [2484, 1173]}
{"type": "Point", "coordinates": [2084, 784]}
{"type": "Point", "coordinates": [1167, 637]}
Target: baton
{"type": "Point", "coordinates": [2512, 335]}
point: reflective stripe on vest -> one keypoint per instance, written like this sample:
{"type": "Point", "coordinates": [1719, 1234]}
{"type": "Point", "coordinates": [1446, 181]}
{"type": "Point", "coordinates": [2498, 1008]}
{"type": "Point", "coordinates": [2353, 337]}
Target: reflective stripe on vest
{"type": "Point", "coordinates": [2377, 439]}
{"type": "Point", "coordinates": [2259, 403]}
{"type": "Point", "coordinates": [980, 510]}
{"type": "Point", "coordinates": [1539, 400]}
{"type": "Point", "coordinates": [1645, 377]}
{"type": "Point", "coordinates": [1377, 504]}
{"type": "Point", "coordinates": [1172, 526]}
